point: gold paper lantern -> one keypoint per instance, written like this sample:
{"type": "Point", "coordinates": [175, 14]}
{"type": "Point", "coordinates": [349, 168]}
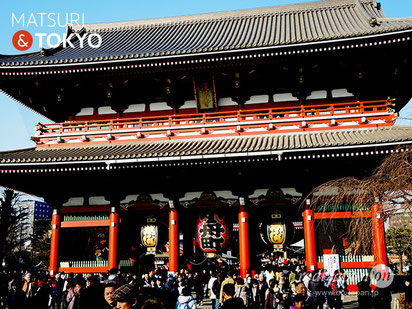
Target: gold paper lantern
{"type": "Point", "coordinates": [149, 235]}
{"type": "Point", "coordinates": [276, 233]}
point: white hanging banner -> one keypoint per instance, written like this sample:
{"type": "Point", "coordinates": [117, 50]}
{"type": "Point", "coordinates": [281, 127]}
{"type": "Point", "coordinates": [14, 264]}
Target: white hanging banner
{"type": "Point", "coordinates": [331, 263]}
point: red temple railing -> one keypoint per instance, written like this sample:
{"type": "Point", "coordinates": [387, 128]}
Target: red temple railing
{"type": "Point", "coordinates": [273, 118]}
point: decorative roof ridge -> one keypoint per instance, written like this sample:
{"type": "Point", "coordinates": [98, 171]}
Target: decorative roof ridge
{"type": "Point", "coordinates": [17, 150]}
{"type": "Point", "coordinates": [394, 19]}
{"type": "Point", "coordinates": [216, 16]}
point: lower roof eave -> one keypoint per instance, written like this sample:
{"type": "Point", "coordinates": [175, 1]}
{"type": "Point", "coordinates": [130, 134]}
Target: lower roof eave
{"type": "Point", "coordinates": [278, 154]}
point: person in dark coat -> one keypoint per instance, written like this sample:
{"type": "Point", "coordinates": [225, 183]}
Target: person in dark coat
{"type": "Point", "coordinates": [41, 294]}
{"type": "Point", "coordinates": [57, 291]}
{"type": "Point", "coordinates": [408, 292]}
{"type": "Point", "coordinates": [255, 300]}
{"type": "Point", "coordinates": [93, 293]}
{"type": "Point", "coordinates": [364, 293]}
{"type": "Point", "coordinates": [382, 298]}
{"type": "Point", "coordinates": [216, 290]}
{"type": "Point", "coordinates": [231, 302]}
{"type": "Point", "coordinates": [317, 290]}
{"type": "Point", "coordinates": [15, 297]}
{"type": "Point", "coordinates": [80, 301]}
{"type": "Point", "coordinates": [198, 283]}
{"type": "Point", "coordinates": [274, 298]}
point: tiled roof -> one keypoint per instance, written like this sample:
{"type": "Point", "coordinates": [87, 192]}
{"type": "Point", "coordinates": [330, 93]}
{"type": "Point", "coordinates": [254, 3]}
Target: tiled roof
{"type": "Point", "coordinates": [225, 31]}
{"type": "Point", "coordinates": [232, 146]}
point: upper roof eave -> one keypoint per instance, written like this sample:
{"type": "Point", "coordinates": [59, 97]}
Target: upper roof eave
{"type": "Point", "coordinates": [172, 58]}
{"type": "Point", "coordinates": [156, 38]}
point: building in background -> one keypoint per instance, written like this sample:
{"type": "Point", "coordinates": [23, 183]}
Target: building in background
{"type": "Point", "coordinates": [36, 210]}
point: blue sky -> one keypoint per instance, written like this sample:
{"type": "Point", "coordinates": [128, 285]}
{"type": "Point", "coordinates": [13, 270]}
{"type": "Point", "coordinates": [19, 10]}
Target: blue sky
{"type": "Point", "coordinates": [17, 122]}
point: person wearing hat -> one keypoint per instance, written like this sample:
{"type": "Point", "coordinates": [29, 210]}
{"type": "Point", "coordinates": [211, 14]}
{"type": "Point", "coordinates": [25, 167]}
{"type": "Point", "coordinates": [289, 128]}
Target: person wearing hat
{"type": "Point", "coordinates": [125, 296]}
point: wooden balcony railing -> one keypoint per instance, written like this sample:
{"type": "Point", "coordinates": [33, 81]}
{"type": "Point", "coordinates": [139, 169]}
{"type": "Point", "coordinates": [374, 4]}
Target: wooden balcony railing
{"type": "Point", "coordinates": [86, 267]}
{"type": "Point", "coordinates": [291, 118]}
{"type": "Point", "coordinates": [71, 218]}
{"type": "Point", "coordinates": [280, 114]}
{"type": "Point", "coordinates": [84, 264]}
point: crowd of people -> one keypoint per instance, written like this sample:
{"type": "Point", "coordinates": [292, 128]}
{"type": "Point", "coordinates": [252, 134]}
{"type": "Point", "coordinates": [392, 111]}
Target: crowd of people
{"type": "Point", "coordinates": [277, 286]}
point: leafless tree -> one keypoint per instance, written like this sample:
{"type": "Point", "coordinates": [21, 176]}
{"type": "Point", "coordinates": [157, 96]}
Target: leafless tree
{"type": "Point", "coordinates": [390, 186]}
{"type": "Point", "coordinates": [13, 224]}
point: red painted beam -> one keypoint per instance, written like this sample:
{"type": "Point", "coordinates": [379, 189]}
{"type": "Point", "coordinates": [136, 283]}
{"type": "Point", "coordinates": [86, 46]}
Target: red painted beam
{"type": "Point", "coordinates": [342, 215]}
{"type": "Point", "coordinates": [71, 224]}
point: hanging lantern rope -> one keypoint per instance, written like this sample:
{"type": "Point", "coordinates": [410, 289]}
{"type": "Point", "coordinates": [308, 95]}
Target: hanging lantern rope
{"type": "Point", "coordinates": [197, 264]}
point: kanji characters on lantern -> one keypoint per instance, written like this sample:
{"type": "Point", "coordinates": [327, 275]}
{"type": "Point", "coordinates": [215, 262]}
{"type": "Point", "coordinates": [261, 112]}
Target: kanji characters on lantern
{"type": "Point", "coordinates": [212, 233]}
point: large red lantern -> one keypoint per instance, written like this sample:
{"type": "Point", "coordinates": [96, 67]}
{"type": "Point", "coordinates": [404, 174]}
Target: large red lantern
{"type": "Point", "coordinates": [212, 233]}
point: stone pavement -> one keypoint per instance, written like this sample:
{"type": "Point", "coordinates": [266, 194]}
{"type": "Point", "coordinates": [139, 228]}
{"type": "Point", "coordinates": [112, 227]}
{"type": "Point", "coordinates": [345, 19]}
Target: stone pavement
{"type": "Point", "coordinates": [349, 302]}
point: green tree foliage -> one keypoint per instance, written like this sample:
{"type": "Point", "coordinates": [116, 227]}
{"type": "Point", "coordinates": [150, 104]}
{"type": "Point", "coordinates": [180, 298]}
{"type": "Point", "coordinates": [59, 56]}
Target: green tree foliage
{"type": "Point", "coordinates": [399, 240]}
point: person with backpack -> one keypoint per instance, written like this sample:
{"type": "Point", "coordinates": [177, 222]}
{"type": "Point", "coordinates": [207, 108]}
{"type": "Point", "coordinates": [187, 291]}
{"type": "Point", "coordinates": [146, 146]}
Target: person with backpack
{"type": "Point", "coordinates": [186, 300]}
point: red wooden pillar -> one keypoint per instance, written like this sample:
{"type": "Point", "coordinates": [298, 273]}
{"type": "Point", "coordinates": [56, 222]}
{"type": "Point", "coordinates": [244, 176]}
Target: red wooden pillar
{"type": "Point", "coordinates": [309, 231]}
{"type": "Point", "coordinates": [113, 238]}
{"type": "Point", "coordinates": [243, 241]}
{"type": "Point", "coordinates": [54, 243]}
{"type": "Point", "coordinates": [173, 240]}
{"type": "Point", "coordinates": [378, 236]}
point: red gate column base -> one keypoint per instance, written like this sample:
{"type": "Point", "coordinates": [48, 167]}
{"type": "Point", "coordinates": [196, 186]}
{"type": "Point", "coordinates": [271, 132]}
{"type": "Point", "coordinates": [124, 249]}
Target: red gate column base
{"type": "Point", "coordinates": [309, 230]}
{"type": "Point", "coordinates": [54, 242]}
{"type": "Point", "coordinates": [243, 241]}
{"type": "Point", "coordinates": [378, 236]}
{"type": "Point", "coordinates": [173, 241]}
{"type": "Point", "coordinates": [113, 238]}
